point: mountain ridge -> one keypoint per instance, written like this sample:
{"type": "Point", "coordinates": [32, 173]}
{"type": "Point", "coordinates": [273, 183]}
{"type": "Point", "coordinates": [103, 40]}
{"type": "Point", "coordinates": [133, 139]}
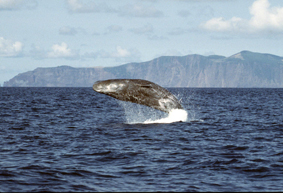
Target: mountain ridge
{"type": "Point", "coordinates": [243, 69]}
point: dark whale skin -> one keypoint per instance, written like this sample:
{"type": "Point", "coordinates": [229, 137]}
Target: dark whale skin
{"type": "Point", "coordinates": [138, 91]}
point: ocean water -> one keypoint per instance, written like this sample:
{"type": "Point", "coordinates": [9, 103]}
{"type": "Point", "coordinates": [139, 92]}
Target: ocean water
{"type": "Point", "coordinates": [74, 139]}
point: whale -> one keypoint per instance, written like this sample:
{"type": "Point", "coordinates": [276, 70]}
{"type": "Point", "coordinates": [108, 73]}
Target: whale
{"type": "Point", "coordinates": [139, 91]}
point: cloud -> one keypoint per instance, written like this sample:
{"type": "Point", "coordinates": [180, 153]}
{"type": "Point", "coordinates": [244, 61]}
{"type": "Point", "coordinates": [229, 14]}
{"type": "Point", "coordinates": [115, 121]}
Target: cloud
{"type": "Point", "coordinates": [68, 31]}
{"type": "Point", "coordinates": [184, 13]}
{"type": "Point", "coordinates": [148, 31]}
{"type": "Point", "coordinates": [83, 6]}
{"type": "Point", "coordinates": [17, 4]}
{"type": "Point", "coordinates": [80, 6]}
{"type": "Point", "coordinates": [178, 31]}
{"type": "Point", "coordinates": [263, 19]}
{"type": "Point", "coordinates": [8, 48]}
{"type": "Point", "coordinates": [121, 54]}
{"type": "Point", "coordinates": [10, 4]}
{"type": "Point", "coordinates": [221, 25]}
{"type": "Point", "coordinates": [143, 30]}
{"type": "Point", "coordinates": [129, 10]}
{"type": "Point", "coordinates": [139, 10]}
{"type": "Point", "coordinates": [156, 37]}
{"type": "Point", "coordinates": [62, 51]}
{"type": "Point", "coordinates": [113, 29]}
{"type": "Point", "coordinates": [57, 51]}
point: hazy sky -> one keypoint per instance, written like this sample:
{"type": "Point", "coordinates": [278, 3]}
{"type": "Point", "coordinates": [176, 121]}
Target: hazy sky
{"type": "Point", "coordinates": [90, 33]}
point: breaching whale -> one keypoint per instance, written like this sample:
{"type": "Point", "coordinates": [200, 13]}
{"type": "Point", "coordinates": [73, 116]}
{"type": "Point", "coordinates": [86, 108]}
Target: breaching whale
{"type": "Point", "coordinates": [139, 91]}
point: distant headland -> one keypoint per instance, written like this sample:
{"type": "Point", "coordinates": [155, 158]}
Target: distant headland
{"type": "Point", "coordinates": [243, 69]}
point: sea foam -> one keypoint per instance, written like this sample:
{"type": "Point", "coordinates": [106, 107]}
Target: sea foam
{"type": "Point", "coordinates": [175, 115]}
{"type": "Point", "coordinates": [140, 114]}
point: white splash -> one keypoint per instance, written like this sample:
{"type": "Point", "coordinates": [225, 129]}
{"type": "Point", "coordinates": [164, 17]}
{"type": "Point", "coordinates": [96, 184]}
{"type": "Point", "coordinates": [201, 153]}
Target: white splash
{"type": "Point", "coordinates": [140, 114]}
{"type": "Point", "coordinates": [175, 115]}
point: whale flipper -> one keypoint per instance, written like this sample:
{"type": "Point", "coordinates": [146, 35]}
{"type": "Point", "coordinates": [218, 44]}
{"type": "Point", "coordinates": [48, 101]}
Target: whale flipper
{"type": "Point", "coordinates": [139, 91]}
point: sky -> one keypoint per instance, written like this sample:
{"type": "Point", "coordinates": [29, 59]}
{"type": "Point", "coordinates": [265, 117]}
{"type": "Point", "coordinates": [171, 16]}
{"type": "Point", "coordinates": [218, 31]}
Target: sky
{"type": "Point", "coordinates": [105, 33]}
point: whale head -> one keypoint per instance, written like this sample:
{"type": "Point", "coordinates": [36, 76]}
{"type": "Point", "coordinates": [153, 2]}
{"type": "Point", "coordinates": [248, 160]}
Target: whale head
{"type": "Point", "coordinates": [108, 86]}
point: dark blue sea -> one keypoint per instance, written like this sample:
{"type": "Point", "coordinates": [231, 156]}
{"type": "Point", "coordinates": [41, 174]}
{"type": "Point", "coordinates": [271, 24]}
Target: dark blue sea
{"type": "Point", "coordinates": [74, 139]}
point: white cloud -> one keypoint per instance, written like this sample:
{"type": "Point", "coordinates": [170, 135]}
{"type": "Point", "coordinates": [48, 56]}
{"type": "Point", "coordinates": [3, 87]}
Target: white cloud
{"type": "Point", "coordinates": [17, 4]}
{"type": "Point", "coordinates": [62, 51]}
{"type": "Point", "coordinates": [263, 19]}
{"type": "Point", "coordinates": [121, 54]}
{"type": "Point", "coordinates": [10, 4]}
{"type": "Point", "coordinates": [9, 48]}
{"type": "Point", "coordinates": [219, 24]}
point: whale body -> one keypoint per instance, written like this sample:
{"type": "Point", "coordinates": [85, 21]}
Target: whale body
{"type": "Point", "coordinates": [139, 91]}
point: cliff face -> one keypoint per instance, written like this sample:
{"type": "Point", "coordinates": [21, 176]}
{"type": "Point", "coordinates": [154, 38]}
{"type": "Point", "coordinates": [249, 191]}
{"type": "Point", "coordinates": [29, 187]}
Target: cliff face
{"type": "Point", "coordinates": [244, 69]}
